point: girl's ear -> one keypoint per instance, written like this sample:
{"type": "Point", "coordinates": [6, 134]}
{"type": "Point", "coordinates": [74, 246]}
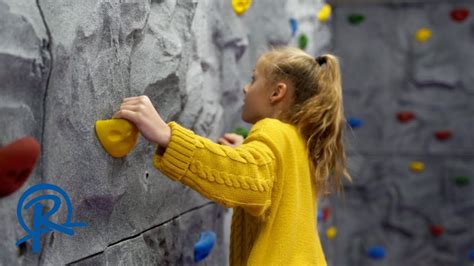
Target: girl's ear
{"type": "Point", "coordinates": [279, 92]}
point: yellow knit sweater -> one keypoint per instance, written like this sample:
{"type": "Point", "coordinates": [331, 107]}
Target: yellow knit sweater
{"type": "Point", "coordinates": [266, 181]}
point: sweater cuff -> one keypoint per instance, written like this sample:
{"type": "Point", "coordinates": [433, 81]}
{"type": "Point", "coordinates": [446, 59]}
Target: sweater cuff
{"type": "Point", "coordinates": [174, 162]}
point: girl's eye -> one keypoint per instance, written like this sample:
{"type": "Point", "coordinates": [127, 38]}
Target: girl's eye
{"type": "Point", "coordinates": [253, 79]}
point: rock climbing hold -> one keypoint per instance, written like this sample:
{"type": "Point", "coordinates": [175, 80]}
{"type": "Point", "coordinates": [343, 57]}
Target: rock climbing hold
{"type": "Point", "coordinates": [462, 180]}
{"type": "Point", "coordinates": [17, 161]}
{"type": "Point", "coordinates": [326, 212]}
{"type": "Point", "coordinates": [417, 166]}
{"type": "Point", "coordinates": [436, 230]}
{"type": "Point", "coordinates": [423, 35]}
{"type": "Point", "coordinates": [117, 136]}
{"type": "Point", "coordinates": [443, 135]}
{"type": "Point", "coordinates": [240, 6]}
{"type": "Point", "coordinates": [460, 14]}
{"type": "Point", "coordinates": [324, 13]}
{"type": "Point", "coordinates": [203, 247]}
{"type": "Point", "coordinates": [354, 122]}
{"type": "Point", "coordinates": [302, 41]}
{"type": "Point", "coordinates": [355, 19]}
{"type": "Point", "coordinates": [331, 232]}
{"type": "Point", "coordinates": [293, 26]}
{"type": "Point", "coordinates": [320, 215]}
{"type": "Point", "coordinates": [405, 117]}
{"type": "Point", "coordinates": [241, 131]}
{"type": "Point", "coordinates": [471, 254]}
{"type": "Point", "coordinates": [376, 252]}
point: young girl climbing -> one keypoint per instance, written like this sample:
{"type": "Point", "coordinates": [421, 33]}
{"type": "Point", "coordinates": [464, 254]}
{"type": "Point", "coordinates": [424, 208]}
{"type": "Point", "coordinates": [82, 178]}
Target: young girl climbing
{"type": "Point", "coordinates": [293, 155]}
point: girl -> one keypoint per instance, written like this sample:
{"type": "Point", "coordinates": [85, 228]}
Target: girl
{"type": "Point", "coordinates": [293, 154]}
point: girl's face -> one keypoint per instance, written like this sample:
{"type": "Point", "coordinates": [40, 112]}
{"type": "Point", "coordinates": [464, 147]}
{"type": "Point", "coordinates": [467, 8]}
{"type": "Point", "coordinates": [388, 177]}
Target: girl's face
{"type": "Point", "coordinates": [256, 102]}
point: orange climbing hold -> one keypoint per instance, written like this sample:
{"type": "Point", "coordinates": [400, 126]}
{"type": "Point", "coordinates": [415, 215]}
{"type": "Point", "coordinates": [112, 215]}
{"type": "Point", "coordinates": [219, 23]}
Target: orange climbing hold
{"type": "Point", "coordinates": [117, 136]}
{"type": "Point", "coordinates": [17, 161]}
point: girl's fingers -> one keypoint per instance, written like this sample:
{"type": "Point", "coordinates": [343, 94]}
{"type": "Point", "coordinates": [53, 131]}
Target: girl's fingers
{"type": "Point", "coordinates": [224, 141]}
{"type": "Point", "coordinates": [125, 114]}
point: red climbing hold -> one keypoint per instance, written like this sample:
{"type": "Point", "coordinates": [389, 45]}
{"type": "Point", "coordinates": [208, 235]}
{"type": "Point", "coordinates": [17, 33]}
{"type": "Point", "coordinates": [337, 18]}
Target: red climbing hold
{"type": "Point", "coordinates": [436, 230]}
{"type": "Point", "coordinates": [460, 14]}
{"type": "Point", "coordinates": [443, 135]}
{"type": "Point", "coordinates": [405, 117]}
{"type": "Point", "coordinates": [17, 160]}
{"type": "Point", "coordinates": [326, 212]}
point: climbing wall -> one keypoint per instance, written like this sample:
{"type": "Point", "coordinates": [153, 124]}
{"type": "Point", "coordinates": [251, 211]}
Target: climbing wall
{"type": "Point", "coordinates": [408, 93]}
{"type": "Point", "coordinates": [64, 65]}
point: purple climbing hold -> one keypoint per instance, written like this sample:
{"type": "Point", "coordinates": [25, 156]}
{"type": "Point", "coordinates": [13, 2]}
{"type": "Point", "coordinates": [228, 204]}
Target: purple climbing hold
{"type": "Point", "coordinates": [203, 247]}
{"type": "Point", "coordinates": [377, 252]}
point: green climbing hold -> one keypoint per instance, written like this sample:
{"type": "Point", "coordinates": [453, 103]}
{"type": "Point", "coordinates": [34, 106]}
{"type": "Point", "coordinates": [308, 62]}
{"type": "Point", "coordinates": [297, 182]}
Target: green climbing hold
{"type": "Point", "coordinates": [302, 41]}
{"type": "Point", "coordinates": [241, 131]}
{"type": "Point", "coordinates": [462, 180]}
{"type": "Point", "coordinates": [355, 19]}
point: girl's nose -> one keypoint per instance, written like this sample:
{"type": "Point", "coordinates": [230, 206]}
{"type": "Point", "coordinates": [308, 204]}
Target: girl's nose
{"type": "Point", "coordinates": [245, 89]}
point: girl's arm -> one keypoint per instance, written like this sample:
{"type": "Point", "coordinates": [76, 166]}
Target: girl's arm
{"type": "Point", "coordinates": [235, 177]}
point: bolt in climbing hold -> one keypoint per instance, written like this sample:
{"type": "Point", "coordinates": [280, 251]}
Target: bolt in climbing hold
{"type": "Point", "coordinates": [376, 252]}
{"type": "Point", "coordinates": [324, 13]}
{"type": "Point", "coordinates": [462, 180]}
{"type": "Point", "coordinates": [443, 135]}
{"type": "Point", "coordinates": [293, 26]}
{"type": "Point", "coordinates": [354, 122]}
{"type": "Point", "coordinates": [302, 41]}
{"type": "Point", "coordinates": [417, 166]}
{"type": "Point", "coordinates": [331, 232]}
{"type": "Point", "coordinates": [355, 19]}
{"type": "Point", "coordinates": [436, 230]}
{"type": "Point", "coordinates": [405, 117]}
{"type": "Point", "coordinates": [241, 131]}
{"type": "Point", "coordinates": [203, 247]}
{"type": "Point", "coordinates": [240, 6]}
{"type": "Point", "coordinates": [423, 35]}
{"type": "Point", "coordinates": [460, 14]}
{"type": "Point", "coordinates": [117, 136]}
{"type": "Point", "coordinates": [17, 161]}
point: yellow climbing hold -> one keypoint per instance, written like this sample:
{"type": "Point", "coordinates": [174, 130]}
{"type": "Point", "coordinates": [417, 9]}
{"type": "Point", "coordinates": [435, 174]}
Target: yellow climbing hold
{"type": "Point", "coordinates": [423, 35]}
{"type": "Point", "coordinates": [417, 166]}
{"type": "Point", "coordinates": [240, 6]}
{"type": "Point", "coordinates": [331, 232]}
{"type": "Point", "coordinates": [117, 136]}
{"type": "Point", "coordinates": [324, 13]}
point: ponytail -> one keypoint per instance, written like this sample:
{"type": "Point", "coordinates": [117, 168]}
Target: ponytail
{"type": "Point", "coordinates": [317, 111]}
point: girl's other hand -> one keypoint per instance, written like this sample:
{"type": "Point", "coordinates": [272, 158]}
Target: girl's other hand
{"type": "Point", "coordinates": [231, 139]}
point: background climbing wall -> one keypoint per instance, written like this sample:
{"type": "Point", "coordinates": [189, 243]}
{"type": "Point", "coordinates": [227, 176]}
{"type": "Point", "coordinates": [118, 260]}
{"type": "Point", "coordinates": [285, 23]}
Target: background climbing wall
{"type": "Point", "coordinates": [64, 65]}
{"type": "Point", "coordinates": [408, 88]}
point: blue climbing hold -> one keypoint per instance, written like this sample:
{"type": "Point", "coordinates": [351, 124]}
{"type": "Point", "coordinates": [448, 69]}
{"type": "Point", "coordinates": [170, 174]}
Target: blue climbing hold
{"type": "Point", "coordinates": [320, 215]}
{"type": "Point", "coordinates": [471, 255]}
{"type": "Point", "coordinates": [294, 26]}
{"type": "Point", "coordinates": [376, 252]}
{"type": "Point", "coordinates": [204, 245]}
{"type": "Point", "coordinates": [354, 122]}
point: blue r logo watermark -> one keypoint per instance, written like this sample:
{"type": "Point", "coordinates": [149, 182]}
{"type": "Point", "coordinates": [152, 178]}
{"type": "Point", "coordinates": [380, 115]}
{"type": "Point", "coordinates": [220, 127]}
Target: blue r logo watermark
{"type": "Point", "coordinates": [41, 223]}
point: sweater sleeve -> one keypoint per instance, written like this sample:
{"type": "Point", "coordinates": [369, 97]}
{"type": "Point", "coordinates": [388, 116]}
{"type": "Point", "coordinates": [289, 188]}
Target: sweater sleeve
{"type": "Point", "coordinates": [240, 176]}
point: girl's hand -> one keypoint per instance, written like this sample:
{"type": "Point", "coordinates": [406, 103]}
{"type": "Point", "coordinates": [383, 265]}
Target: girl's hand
{"type": "Point", "coordinates": [140, 111]}
{"type": "Point", "coordinates": [231, 139]}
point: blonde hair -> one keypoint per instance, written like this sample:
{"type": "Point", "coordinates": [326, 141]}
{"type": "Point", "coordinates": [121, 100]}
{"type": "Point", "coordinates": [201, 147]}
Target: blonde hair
{"type": "Point", "coordinates": [317, 110]}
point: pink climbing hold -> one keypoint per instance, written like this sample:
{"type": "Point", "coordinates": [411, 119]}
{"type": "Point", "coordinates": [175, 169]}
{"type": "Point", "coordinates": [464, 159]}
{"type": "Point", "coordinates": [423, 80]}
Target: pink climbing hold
{"type": "Point", "coordinates": [436, 230]}
{"type": "Point", "coordinates": [326, 212]}
{"type": "Point", "coordinates": [443, 134]}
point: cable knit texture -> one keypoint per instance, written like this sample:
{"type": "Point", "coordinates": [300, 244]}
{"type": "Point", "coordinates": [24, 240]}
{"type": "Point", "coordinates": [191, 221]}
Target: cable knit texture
{"type": "Point", "coordinates": [266, 181]}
